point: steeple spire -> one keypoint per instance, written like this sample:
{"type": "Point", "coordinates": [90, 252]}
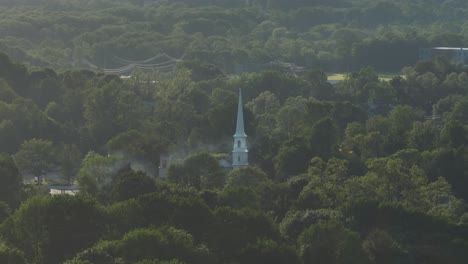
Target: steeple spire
{"type": "Point", "coordinates": [240, 118]}
{"type": "Point", "coordinates": [240, 152]}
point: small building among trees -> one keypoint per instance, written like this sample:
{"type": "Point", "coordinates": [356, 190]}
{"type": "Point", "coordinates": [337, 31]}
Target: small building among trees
{"type": "Point", "coordinates": [240, 151]}
{"type": "Point", "coordinates": [457, 55]}
{"type": "Point", "coordinates": [63, 189]}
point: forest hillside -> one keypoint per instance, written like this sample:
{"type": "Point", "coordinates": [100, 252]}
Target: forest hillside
{"type": "Point", "coordinates": [236, 36]}
{"type": "Point", "coordinates": [365, 170]}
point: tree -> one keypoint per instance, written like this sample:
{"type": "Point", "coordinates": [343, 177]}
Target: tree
{"type": "Point", "coordinates": [264, 108]}
{"type": "Point", "coordinates": [43, 226]}
{"type": "Point", "coordinates": [175, 103]}
{"type": "Point", "coordinates": [401, 122]}
{"type": "Point", "coordinates": [153, 261]}
{"type": "Point", "coordinates": [329, 243]}
{"type": "Point", "coordinates": [130, 184]}
{"type": "Point", "coordinates": [6, 92]}
{"type": "Point", "coordinates": [381, 93]}
{"type": "Point", "coordinates": [344, 113]}
{"type": "Point", "coordinates": [454, 134]}
{"type": "Point", "coordinates": [223, 105]}
{"type": "Point", "coordinates": [35, 156]}
{"type": "Point", "coordinates": [319, 86]}
{"type": "Point", "coordinates": [381, 247]}
{"type": "Point", "coordinates": [291, 118]}
{"type": "Point", "coordinates": [10, 180]}
{"type": "Point", "coordinates": [323, 138]}
{"type": "Point", "coordinates": [345, 39]}
{"type": "Point", "coordinates": [200, 171]}
{"type": "Point", "coordinates": [292, 158]}
{"type": "Point", "coordinates": [11, 255]}
{"type": "Point", "coordinates": [69, 160]}
{"type": "Point", "coordinates": [97, 173]}
{"type": "Point", "coordinates": [407, 231]}
{"type": "Point", "coordinates": [423, 136]}
{"type": "Point", "coordinates": [295, 222]}
{"type": "Point", "coordinates": [202, 71]}
{"type": "Point", "coordinates": [93, 255]}
{"type": "Point", "coordinates": [326, 186]}
{"type": "Point", "coordinates": [402, 182]}
{"type": "Point", "coordinates": [179, 207]}
{"type": "Point", "coordinates": [353, 86]}
{"type": "Point", "coordinates": [268, 251]}
{"type": "Point", "coordinates": [265, 103]}
{"type": "Point", "coordinates": [45, 89]}
{"type": "Point", "coordinates": [238, 197]}
{"type": "Point", "coordinates": [15, 74]}
{"type": "Point", "coordinates": [142, 144]}
{"type": "Point", "coordinates": [165, 243]}
{"type": "Point", "coordinates": [127, 111]}
{"type": "Point", "coordinates": [243, 226]}
{"type": "Point", "coordinates": [4, 211]}
{"type": "Point", "coordinates": [251, 177]}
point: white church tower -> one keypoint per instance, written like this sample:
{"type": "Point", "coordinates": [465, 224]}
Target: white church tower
{"type": "Point", "coordinates": [240, 153]}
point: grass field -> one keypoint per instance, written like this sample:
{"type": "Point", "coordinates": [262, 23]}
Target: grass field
{"type": "Point", "coordinates": [337, 77]}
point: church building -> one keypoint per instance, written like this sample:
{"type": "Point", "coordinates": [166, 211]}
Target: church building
{"type": "Point", "coordinates": [240, 152]}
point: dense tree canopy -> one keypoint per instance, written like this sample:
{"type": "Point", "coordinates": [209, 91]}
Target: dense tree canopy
{"type": "Point", "coordinates": [360, 170]}
{"type": "Point", "coordinates": [236, 36]}
{"type": "Point", "coordinates": [333, 165]}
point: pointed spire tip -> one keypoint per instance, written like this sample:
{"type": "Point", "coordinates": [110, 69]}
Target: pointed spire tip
{"type": "Point", "coordinates": [240, 118]}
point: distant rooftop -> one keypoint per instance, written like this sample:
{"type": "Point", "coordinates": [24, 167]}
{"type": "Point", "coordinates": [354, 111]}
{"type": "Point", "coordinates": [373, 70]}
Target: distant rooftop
{"type": "Point", "coordinates": [63, 189]}
{"type": "Point", "coordinates": [449, 48]}
{"type": "Point", "coordinates": [455, 54]}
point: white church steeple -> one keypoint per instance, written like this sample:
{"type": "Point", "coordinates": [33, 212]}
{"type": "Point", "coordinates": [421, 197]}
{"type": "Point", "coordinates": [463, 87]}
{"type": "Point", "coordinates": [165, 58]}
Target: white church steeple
{"type": "Point", "coordinates": [240, 152]}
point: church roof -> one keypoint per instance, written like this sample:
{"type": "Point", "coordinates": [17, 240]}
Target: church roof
{"type": "Point", "coordinates": [240, 118]}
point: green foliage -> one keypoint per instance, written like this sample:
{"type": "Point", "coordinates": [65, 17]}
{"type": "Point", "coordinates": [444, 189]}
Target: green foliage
{"type": "Point", "coordinates": [10, 186]}
{"type": "Point", "coordinates": [126, 111]}
{"type": "Point", "coordinates": [69, 160]}
{"type": "Point", "coordinates": [6, 92]}
{"type": "Point", "coordinates": [455, 134]}
{"type": "Point", "coordinates": [239, 197]}
{"type": "Point", "coordinates": [130, 184]}
{"type": "Point", "coordinates": [36, 156]}
{"type": "Point", "coordinates": [4, 211]}
{"type": "Point", "coordinates": [45, 224]}
{"type": "Point", "coordinates": [188, 213]}
{"type": "Point", "coordinates": [370, 216]}
{"type": "Point", "coordinates": [243, 227]}
{"type": "Point", "coordinates": [291, 117]}
{"type": "Point", "coordinates": [381, 247]}
{"type": "Point", "coordinates": [292, 158]}
{"type": "Point", "coordinates": [11, 256]}
{"type": "Point", "coordinates": [96, 173]}
{"type": "Point", "coordinates": [264, 107]}
{"type": "Point", "coordinates": [174, 261]}
{"type": "Point", "coordinates": [423, 136]}
{"type": "Point", "coordinates": [251, 177]}
{"type": "Point", "coordinates": [125, 216]}
{"type": "Point", "coordinates": [326, 188]}
{"type": "Point", "coordinates": [136, 144]}
{"type": "Point", "coordinates": [269, 251]}
{"type": "Point", "coordinates": [225, 36]}
{"type": "Point", "coordinates": [200, 171]}
{"type": "Point", "coordinates": [329, 243]}
{"type": "Point", "coordinates": [365, 170]}
{"type": "Point", "coordinates": [295, 222]}
{"type": "Point", "coordinates": [323, 138]}
{"type": "Point", "coordinates": [166, 243]}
